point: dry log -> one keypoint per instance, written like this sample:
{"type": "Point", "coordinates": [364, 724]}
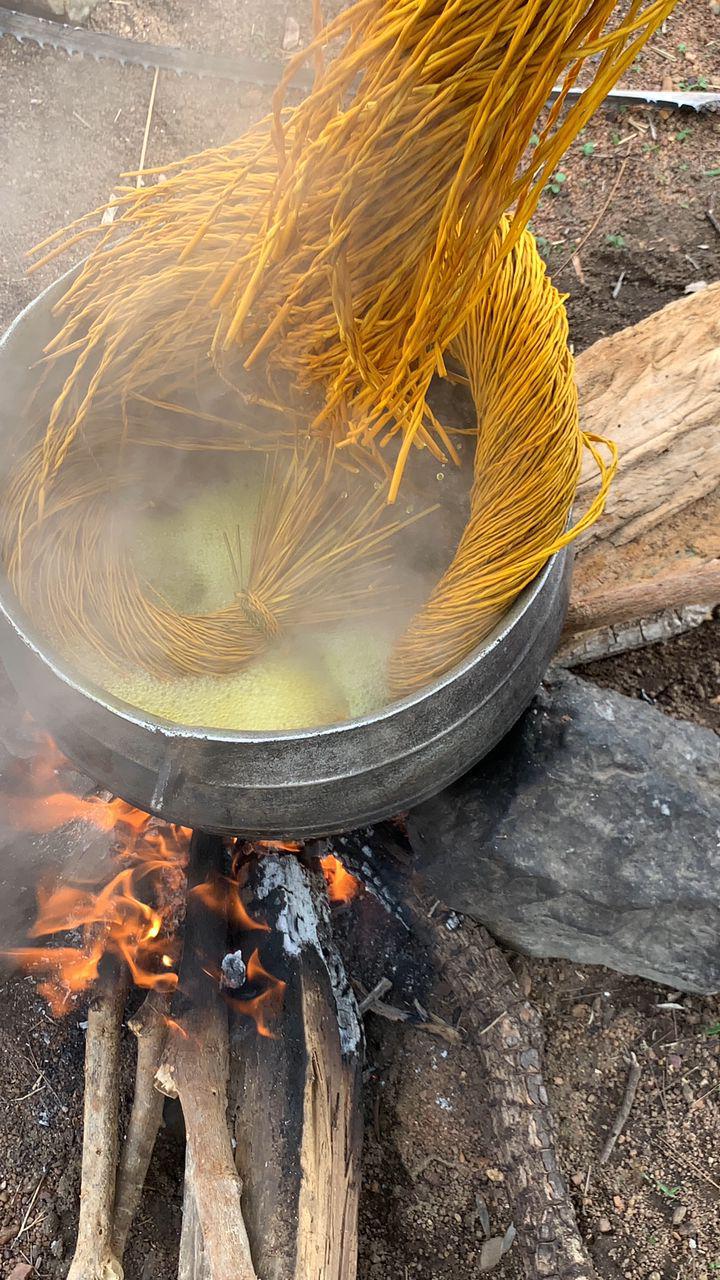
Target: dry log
{"type": "Point", "coordinates": [303, 1126]}
{"type": "Point", "coordinates": [149, 1026]}
{"type": "Point", "coordinates": [630, 601]}
{"type": "Point", "coordinates": [588, 646]}
{"type": "Point", "coordinates": [195, 1070]}
{"type": "Point", "coordinates": [506, 1030]}
{"type": "Point", "coordinates": [655, 389]}
{"type": "Point", "coordinates": [93, 1258]}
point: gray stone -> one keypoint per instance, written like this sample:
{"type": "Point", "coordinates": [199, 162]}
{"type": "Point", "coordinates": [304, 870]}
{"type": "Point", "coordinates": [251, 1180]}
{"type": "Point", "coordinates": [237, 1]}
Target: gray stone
{"type": "Point", "coordinates": [592, 832]}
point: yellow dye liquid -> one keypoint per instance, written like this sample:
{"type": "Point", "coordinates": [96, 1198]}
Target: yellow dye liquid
{"type": "Point", "coordinates": [315, 677]}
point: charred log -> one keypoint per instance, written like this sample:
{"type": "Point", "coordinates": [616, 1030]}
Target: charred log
{"type": "Point", "coordinates": [295, 1092]}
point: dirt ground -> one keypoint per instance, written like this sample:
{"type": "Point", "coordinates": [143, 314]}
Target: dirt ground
{"type": "Point", "coordinates": [631, 205]}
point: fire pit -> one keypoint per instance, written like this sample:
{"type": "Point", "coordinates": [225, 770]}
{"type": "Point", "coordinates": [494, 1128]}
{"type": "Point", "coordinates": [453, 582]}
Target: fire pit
{"type": "Point", "coordinates": [302, 783]}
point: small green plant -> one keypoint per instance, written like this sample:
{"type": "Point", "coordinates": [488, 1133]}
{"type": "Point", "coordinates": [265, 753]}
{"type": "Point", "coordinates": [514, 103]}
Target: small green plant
{"type": "Point", "coordinates": [534, 139]}
{"type": "Point", "coordinates": [616, 137]}
{"type": "Point", "coordinates": [711, 173]}
{"type": "Point", "coordinates": [615, 241]}
{"type": "Point", "coordinates": [700, 82]}
{"type": "Point", "coordinates": [663, 1188]}
{"type": "Point", "coordinates": [682, 134]}
{"type": "Point", "coordinates": [714, 1266]}
{"type": "Point", "coordinates": [588, 148]}
{"type": "Point", "coordinates": [557, 182]}
{"type": "Point", "coordinates": [543, 245]}
{"type": "Point", "coordinates": [682, 47]}
{"type": "Point", "coordinates": [713, 1029]}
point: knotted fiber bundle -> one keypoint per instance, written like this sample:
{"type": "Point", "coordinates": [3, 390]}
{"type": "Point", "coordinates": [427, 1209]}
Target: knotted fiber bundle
{"type": "Point", "coordinates": [327, 265]}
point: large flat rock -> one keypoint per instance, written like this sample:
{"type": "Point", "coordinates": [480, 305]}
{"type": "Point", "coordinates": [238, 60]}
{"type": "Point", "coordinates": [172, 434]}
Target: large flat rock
{"type": "Point", "coordinates": [592, 832]}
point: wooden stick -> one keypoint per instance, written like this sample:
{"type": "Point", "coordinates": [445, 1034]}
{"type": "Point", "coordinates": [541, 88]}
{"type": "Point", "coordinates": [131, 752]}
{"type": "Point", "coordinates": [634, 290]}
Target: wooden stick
{"type": "Point", "coordinates": [146, 134]}
{"type": "Point", "coordinates": [506, 1031]}
{"type": "Point", "coordinates": [631, 601]}
{"type": "Point", "coordinates": [149, 1026]}
{"type": "Point", "coordinates": [621, 1120]}
{"type": "Point", "coordinates": [93, 1258]}
{"type": "Point", "coordinates": [296, 1097]}
{"type": "Point", "coordinates": [195, 1070]}
{"type": "Point", "coordinates": [192, 1264]}
{"type": "Point", "coordinates": [603, 642]}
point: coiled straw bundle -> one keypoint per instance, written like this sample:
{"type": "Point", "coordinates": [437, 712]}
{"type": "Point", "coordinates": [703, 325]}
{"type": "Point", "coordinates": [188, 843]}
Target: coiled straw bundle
{"type": "Point", "coordinates": [326, 266]}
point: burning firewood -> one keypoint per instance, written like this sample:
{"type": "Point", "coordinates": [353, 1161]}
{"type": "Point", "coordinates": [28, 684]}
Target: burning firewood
{"type": "Point", "coordinates": [305, 1130]}
{"type": "Point", "coordinates": [94, 1259]}
{"type": "Point", "coordinates": [195, 1070]}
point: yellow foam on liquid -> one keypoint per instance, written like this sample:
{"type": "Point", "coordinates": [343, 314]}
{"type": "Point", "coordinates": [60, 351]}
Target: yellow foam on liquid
{"type": "Point", "coordinates": [327, 677]}
{"type": "Point", "coordinates": [316, 677]}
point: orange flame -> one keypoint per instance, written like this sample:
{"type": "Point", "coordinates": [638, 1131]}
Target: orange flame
{"type": "Point", "coordinates": [222, 895]}
{"type": "Point", "coordinates": [265, 1007]}
{"type": "Point", "coordinates": [282, 846]}
{"type": "Point", "coordinates": [341, 885]}
{"type": "Point", "coordinates": [113, 917]}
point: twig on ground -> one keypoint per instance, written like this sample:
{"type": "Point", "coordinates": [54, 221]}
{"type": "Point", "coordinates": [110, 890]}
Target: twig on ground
{"type": "Point", "coordinates": [713, 219]}
{"type": "Point", "coordinates": [148, 121]}
{"type": "Point", "coordinates": [422, 1021]}
{"type": "Point", "coordinates": [23, 1225]}
{"type": "Point", "coordinates": [682, 1159]}
{"type": "Point", "coordinates": [435, 1158]}
{"type": "Point", "coordinates": [490, 1025]}
{"type": "Point", "coordinates": [621, 1119]}
{"type": "Point", "coordinates": [596, 223]}
{"type": "Point", "coordinates": [369, 1001]}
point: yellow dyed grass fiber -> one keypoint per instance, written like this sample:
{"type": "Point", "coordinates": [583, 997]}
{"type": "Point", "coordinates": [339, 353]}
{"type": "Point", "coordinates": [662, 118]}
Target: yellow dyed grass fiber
{"type": "Point", "coordinates": [328, 266]}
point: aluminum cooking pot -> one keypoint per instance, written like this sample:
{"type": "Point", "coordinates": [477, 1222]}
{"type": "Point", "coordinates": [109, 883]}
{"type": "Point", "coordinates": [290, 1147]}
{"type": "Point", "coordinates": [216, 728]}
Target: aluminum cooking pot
{"type": "Point", "coordinates": [293, 784]}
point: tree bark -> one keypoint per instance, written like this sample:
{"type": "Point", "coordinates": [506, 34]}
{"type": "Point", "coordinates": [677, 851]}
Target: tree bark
{"type": "Point", "coordinates": [655, 389]}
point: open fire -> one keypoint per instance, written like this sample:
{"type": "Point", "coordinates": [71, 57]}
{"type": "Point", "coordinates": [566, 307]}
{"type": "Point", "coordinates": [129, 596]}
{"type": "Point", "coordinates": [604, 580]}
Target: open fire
{"type": "Point", "coordinates": [134, 914]}
{"type": "Point", "coordinates": [222, 936]}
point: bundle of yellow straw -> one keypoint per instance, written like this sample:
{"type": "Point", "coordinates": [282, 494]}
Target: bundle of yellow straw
{"type": "Point", "coordinates": [327, 265]}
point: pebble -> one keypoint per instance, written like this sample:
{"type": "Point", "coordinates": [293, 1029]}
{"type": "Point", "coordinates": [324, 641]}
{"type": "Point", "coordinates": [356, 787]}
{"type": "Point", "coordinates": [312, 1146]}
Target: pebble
{"type": "Point", "coordinates": [22, 1271]}
{"type": "Point", "coordinates": [679, 1214]}
{"type": "Point", "coordinates": [605, 1225]}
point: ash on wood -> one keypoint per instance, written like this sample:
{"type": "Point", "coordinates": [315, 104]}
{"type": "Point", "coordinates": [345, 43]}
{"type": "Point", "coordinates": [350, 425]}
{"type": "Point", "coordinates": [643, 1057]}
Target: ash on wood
{"type": "Point", "coordinates": [295, 1094]}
